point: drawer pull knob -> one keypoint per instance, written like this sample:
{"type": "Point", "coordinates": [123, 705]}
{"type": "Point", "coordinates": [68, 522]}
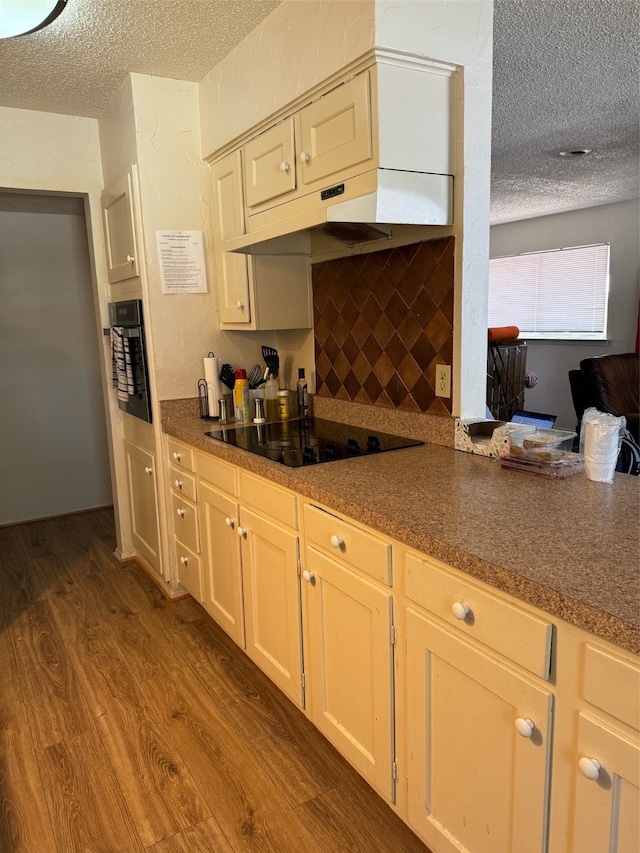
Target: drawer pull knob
{"type": "Point", "coordinates": [308, 576]}
{"type": "Point", "coordinates": [184, 560]}
{"type": "Point", "coordinates": [148, 470]}
{"type": "Point", "coordinates": [176, 455]}
{"type": "Point", "coordinates": [242, 531]}
{"type": "Point", "coordinates": [337, 541]}
{"type": "Point", "coordinates": [284, 166]}
{"type": "Point", "coordinates": [180, 513]}
{"type": "Point", "coordinates": [460, 611]}
{"type": "Point", "coordinates": [130, 259]}
{"type": "Point", "coordinates": [178, 484]}
{"type": "Point", "coordinates": [525, 726]}
{"type": "Point", "coordinates": [589, 767]}
{"type": "Point", "coordinates": [229, 522]}
{"type": "Point", "coordinates": [239, 305]}
{"type": "Point", "coordinates": [304, 157]}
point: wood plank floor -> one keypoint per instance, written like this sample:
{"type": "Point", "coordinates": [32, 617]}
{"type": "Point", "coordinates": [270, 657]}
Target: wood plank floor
{"type": "Point", "coordinates": [131, 723]}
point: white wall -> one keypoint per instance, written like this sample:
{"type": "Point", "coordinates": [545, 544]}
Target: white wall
{"type": "Point", "coordinates": [617, 224]}
{"type": "Point", "coordinates": [52, 427]}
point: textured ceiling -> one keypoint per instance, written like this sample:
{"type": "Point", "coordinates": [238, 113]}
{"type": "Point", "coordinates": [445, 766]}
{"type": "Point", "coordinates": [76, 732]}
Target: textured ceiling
{"type": "Point", "coordinates": [565, 76]}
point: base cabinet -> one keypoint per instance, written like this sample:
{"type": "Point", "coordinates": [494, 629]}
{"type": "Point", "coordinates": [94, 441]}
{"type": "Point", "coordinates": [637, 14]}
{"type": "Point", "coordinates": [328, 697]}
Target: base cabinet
{"type": "Point", "coordinates": [606, 814]}
{"type": "Point", "coordinates": [222, 568]}
{"type": "Point", "coordinates": [347, 623]}
{"type": "Point", "coordinates": [143, 501]}
{"type": "Point", "coordinates": [479, 739]}
{"type": "Point", "coordinates": [271, 587]}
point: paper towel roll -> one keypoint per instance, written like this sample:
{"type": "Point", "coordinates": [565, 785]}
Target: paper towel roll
{"type": "Point", "coordinates": [214, 386]}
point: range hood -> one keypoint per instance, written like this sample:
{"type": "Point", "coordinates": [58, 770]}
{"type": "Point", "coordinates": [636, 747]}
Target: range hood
{"type": "Point", "coordinates": [356, 210]}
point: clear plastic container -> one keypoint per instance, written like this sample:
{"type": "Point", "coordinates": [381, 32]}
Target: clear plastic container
{"type": "Point", "coordinates": [541, 445]}
{"type": "Point", "coordinates": [565, 466]}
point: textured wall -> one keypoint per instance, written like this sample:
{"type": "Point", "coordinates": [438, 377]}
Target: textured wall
{"type": "Point", "coordinates": [382, 323]}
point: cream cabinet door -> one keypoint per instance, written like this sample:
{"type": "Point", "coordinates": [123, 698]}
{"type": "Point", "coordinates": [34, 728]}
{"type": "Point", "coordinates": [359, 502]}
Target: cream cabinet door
{"type": "Point", "coordinates": [607, 790]}
{"type": "Point", "coordinates": [335, 131]}
{"type": "Point", "coordinates": [272, 601]}
{"type": "Point", "coordinates": [143, 499]}
{"type": "Point", "coordinates": [189, 570]}
{"type": "Point", "coordinates": [476, 781]}
{"type": "Point", "coordinates": [119, 230]}
{"type": "Point", "coordinates": [228, 221]}
{"type": "Point", "coordinates": [269, 164]}
{"type": "Point", "coordinates": [221, 567]}
{"type": "Point", "coordinates": [347, 621]}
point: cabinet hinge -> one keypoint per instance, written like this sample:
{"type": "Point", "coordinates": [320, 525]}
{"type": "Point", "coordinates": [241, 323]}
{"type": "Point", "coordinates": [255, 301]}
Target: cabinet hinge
{"type": "Point", "coordinates": [393, 635]}
{"type": "Point", "coordinates": [299, 568]}
{"type": "Point", "coordinates": [303, 679]}
{"type": "Point", "coordinates": [394, 771]}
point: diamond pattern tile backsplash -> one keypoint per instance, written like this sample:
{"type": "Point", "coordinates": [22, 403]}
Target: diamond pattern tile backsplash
{"type": "Point", "coordinates": [382, 323]}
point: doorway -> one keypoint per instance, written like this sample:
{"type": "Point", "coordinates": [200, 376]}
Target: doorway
{"type": "Point", "coordinates": [53, 431]}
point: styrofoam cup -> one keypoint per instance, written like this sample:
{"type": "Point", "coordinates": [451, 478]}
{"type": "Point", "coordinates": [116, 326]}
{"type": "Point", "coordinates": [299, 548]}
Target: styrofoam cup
{"type": "Point", "coordinates": [600, 472]}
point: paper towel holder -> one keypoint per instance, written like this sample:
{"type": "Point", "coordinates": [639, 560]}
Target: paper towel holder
{"type": "Point", "coordinates": [203, 402]}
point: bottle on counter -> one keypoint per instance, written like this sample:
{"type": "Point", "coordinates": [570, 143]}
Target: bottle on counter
{"type": "Point", "coordinates": [283, 403]}
{"type": "Point", "coordinates": [241, 397]}
{"type": "Point", "coordinates": [271, 399]}
{"type": "Point", "coordinates": [303, 395]}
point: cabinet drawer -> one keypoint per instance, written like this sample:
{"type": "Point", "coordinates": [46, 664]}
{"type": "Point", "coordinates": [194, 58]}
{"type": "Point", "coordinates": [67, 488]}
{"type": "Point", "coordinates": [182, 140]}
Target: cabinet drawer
{"type": "Point", "coordinates": [611, 684]}
{"type": "Point", "coordinates": [183, 483]}
{"type": "Point", "coordinates": [185, 518]}
{"type": "Point", "coordinates": [514, 633]}
{"type": "Point", "coordinates": [181, 454]}
{"type": "Point", "coordinates": [219, 474]}
{"type": "Point", "coordinates": [344, 541]}
{"type": "Point", "coordinates": [189, 571]}
{"type": "Point", "coordinates": [269, 499]}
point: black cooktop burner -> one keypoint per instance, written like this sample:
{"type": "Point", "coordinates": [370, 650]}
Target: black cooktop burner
{"type": "Point", "coordinates": [307, 441]}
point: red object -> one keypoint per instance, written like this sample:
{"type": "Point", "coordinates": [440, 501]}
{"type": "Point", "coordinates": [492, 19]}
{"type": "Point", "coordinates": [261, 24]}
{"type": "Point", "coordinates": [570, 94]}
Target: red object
{"type": "Point", "coordinates": [504, 333]}
{"type": "Point", "coordinates": [241, 373]}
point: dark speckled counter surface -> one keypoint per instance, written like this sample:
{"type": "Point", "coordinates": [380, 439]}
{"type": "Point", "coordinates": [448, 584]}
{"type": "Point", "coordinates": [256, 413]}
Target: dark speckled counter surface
{"type": "Point", "coordinates": [570, 547]}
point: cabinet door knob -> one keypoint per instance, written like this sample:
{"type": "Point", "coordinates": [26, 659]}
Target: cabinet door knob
{"type": "Point", "coordinates": [242, 531]}
{"type": "Point", "coordinates": [184, 560]}
{"type": "Point", "coordinates": [178, 484]}
{"type": "Point", "coordinates": [460, 611]}
{"type": "Point", "coordinates": [525, 726]}
{"type": "Point", "coordinates": [239, 305]}
{"type": "Point", "coordinates": [130, 259]}
{"type": "Point", "coordinates": [284, 166]}
{"type": "Point", "coordinates": [148, 470]}
{"type": "Point", "coordinates": [307, 576]}
{"type": "Point", "coordinates": [337, 541]}
{"type": "Point", "coordinates": [589, 767]}
{"type": "Point", "coordinates": [176, 455]}
{"type": "Point", "coordinates": [229, 522]}
{"type": "Point", "coordinates": [304, 157]}
{"type": "Point", "coordinates": [180, 513]}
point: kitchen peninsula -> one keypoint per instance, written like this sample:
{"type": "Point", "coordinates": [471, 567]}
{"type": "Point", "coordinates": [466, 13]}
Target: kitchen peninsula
{"type": "Point", "coordinates": [424, 585]}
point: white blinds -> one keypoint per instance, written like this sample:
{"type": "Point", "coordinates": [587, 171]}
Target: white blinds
{"type": "Point", "coordinates": [557, 294]}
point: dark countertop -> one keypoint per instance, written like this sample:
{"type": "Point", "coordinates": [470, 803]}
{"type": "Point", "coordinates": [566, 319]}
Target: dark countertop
{"type": "Point", "coordinates": [570, 547]}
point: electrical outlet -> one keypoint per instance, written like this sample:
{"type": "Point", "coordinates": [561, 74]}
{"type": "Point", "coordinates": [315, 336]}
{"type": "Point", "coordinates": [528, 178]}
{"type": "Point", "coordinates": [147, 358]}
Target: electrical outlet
{"type": "Point", "coordinates": [443, 380]}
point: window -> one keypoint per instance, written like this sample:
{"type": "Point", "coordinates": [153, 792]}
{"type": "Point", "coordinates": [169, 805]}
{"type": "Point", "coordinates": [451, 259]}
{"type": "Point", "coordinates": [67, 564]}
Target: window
{"type": "Point", "coordinates": [560, 294]}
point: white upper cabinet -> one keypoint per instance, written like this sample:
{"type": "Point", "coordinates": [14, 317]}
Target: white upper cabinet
{"type": "Point", "coordinates": [270, 164]}
{"type": "Point", "coordinates": [119, 229]}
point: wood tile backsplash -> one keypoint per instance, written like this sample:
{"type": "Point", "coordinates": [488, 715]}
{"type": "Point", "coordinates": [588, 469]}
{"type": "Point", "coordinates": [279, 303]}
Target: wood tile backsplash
{"type": "Point", "coordinates": [382, 323]}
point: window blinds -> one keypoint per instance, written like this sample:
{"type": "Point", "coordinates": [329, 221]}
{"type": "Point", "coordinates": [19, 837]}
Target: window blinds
{"type": "Point", "coordinates": [555, 294]}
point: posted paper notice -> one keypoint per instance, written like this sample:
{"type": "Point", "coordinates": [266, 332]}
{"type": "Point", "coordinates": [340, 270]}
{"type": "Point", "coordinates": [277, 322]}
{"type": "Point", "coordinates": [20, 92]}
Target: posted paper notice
{"type": "Point", "coordinates": [181, 255]}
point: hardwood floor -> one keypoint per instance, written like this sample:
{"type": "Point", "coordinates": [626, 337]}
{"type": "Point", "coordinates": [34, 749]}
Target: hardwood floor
{"type": "Point", "coordinates": [131, 723]}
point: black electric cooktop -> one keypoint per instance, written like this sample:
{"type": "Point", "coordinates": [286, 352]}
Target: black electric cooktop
{"type": "Point", "coordinates": [308, 441]}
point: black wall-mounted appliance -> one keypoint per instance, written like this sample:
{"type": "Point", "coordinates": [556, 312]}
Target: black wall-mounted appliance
{"type": "Point", "coordinates": [128, 354]}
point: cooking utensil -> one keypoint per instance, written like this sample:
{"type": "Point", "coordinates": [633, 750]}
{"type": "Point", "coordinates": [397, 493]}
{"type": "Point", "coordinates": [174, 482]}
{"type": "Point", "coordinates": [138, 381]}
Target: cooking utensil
{"type": "Point", "coordinates": [255, 376]}
{"type": "Point", "coordinates": [272, 360]}
{"type": "Point", "coordinates": [227, 376]}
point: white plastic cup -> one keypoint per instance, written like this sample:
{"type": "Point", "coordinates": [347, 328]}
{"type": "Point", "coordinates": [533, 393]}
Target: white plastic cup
{"type": "Point", "coordinates": [600, 472]}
